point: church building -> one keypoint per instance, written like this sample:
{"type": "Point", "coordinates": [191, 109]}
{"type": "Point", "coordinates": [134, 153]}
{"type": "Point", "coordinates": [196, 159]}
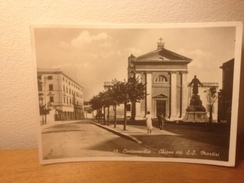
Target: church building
{"type": "Point", "coordinates": [165, 74]}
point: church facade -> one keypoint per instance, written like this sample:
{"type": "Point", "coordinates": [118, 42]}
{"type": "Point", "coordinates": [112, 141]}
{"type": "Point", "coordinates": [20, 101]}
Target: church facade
{"type": "Point", "coordinates": [165, 74]}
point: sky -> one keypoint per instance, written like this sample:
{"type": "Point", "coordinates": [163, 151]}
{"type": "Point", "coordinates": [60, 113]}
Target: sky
{"type": "Point", "coordinates": [92, 56]}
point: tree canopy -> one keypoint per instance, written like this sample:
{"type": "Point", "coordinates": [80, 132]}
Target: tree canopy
{"type": "Point", "coordinates": [121, 92]}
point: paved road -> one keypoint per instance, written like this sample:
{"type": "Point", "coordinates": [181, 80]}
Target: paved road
{"type": "Point", "coordinates": [83, 139]}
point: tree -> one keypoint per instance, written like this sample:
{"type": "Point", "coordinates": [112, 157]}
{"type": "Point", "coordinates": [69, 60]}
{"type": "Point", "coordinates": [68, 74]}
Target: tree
{"type": "Point", "coordinates": [96, 104]}
{"type": "Point", "coordinates": [107, 102]}
{"type": "Point", "coordinates": [136, 92]}
{"type": "Point", "coordinates": [114, 100]}
{"type": "Point", "coordinates": [104, 100]}
{"type": "Point", "coordinates": [121, 92]}
{"type": "Point", "coordinates": [43, 109]}
{"type": "Point", "coordinates": [131, 91]}
{"type": "Point", "coordinates": [100, 102]}
{"type": "Point", "coordinates": [120, 89]}
{"type": "Point", "coordinates": [211, 95]}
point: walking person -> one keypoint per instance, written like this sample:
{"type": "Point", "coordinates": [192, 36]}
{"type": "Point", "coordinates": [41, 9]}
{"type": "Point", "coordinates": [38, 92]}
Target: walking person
{"type": "Point", "coordinates": [149, 122]}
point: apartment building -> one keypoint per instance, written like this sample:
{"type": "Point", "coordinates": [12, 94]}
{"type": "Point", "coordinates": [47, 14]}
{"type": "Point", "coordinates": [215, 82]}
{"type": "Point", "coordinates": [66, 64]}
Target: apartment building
{"type": "Point", "coordinates": [60, 96]}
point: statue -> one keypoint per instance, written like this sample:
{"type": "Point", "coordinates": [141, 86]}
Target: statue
{"type": "Point", "coordinates": [195, 82]}
{"type": "Point", "coordinates": [195, 112]}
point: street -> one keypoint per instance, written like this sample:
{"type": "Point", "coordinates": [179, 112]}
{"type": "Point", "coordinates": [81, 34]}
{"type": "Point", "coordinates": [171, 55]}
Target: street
{"type": "Point", "coordinates": [83, 139]}
{"type": "Point", "coordinates": [87, 138]}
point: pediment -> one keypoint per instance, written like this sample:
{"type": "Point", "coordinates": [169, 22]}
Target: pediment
{"type": "Point", "coordinates": [152, 56]}
{"type": "Point", "coordinates": [161, 55]}
{"type": "Point", "coordinates": [160, 96]}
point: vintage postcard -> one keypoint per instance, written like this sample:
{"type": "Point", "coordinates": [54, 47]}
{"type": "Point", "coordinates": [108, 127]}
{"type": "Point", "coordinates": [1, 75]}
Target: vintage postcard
{"type": "Point", "coordinates": [152, 92]}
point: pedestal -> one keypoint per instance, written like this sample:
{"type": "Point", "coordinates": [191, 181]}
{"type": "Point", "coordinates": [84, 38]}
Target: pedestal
{"type": "Point", "coordinates": [195, 117]}
{"type": "Point", "coordinates": [195, 112]}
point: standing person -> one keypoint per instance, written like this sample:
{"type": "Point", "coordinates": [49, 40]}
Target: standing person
{"type": "Point", "coordinates": [149, 122]}
{"type": "Point", "coordinates": [160, 122]}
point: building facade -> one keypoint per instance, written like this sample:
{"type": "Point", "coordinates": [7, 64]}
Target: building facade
{"type": "Point", "coordinates": [165, 75]}
{"type": "Point", "coordinates": [225, 95]}
{"type": "Point", "coordinates": [60, 95]}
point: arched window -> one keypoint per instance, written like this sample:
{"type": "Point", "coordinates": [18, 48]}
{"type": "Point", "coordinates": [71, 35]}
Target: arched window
{"type": "Point", "coordinates": [160, 79]}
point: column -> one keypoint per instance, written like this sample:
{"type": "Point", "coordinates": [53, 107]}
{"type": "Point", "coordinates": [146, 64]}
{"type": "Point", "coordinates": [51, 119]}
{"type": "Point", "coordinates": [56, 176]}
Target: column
{"type": "Point", "coordinates": [173, 95]}
{"type": "Point", "coordinates": [139, 109]}
{"type": "Point", "coordinates": [184, 93]}
{"type": "Point", "coordinates": [149, 92]}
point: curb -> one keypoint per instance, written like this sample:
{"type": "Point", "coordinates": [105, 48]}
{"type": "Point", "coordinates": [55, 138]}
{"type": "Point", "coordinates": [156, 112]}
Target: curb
{"type": "Point", "coordinates": [119, 133]}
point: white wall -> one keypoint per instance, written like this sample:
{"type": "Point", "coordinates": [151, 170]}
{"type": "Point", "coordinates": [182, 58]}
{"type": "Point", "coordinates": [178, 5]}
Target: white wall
{"type": "Point", "coordinates": [18, 115]}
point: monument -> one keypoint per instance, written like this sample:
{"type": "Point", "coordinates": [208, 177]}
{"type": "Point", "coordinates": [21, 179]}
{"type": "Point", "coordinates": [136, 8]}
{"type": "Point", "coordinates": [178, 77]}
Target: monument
{"type": "Point", "coordinates": [195, 112]}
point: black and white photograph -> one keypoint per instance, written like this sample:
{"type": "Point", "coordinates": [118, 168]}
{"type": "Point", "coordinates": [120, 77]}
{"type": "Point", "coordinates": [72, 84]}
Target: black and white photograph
{"type": "Point", "coordinates": [160, 92]}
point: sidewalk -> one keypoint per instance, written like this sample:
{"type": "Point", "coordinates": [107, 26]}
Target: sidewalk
{"type": "Point", "coordinates": [133, 130]}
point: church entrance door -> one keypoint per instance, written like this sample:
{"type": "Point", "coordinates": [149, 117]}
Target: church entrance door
{"type": "Point", "coordinates": [160, 107]}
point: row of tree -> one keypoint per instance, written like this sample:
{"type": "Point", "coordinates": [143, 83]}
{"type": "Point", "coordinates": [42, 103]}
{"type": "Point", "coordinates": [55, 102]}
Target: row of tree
{"type": "Point", "coordinates": [120, 92]}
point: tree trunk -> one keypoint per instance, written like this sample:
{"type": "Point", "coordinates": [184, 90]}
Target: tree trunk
{"type": "Point", "coordinates": [99, 115]}
{"type": "Point", "coordinates": [210, 117]}
{"type": "Point", "coordinates": [133, 110]}
{"type": "Point", "coordinates": [45, 119]}
{"type": "Point", "coordinates": [115, 115]}
{"type": "Point", "coordinates": [42, 121]}
{"type": "Point", "coordinates": [125, 117]}
{"type": "Point", "coordinates": [108, 117]}
{"type": "Point", "coordinates": [104, 115]}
